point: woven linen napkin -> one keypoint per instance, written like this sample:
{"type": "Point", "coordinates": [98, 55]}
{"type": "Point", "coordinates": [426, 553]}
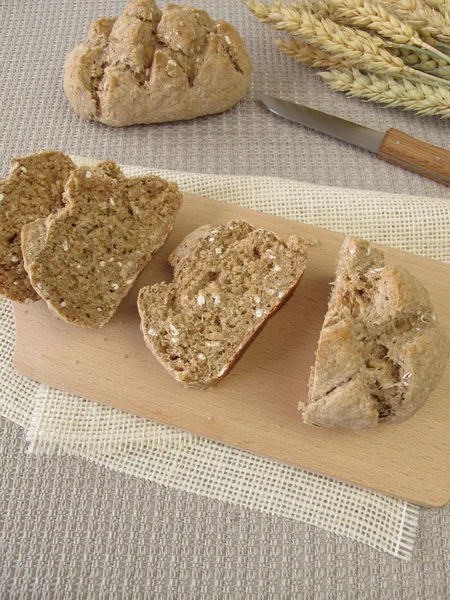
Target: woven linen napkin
{"type": "Point", "coordinates": [56, 422]}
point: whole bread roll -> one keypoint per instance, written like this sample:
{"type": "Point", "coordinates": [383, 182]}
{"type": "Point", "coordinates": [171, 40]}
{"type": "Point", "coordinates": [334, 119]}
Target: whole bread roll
{"type": "Point", "coordinates": [149, 66]}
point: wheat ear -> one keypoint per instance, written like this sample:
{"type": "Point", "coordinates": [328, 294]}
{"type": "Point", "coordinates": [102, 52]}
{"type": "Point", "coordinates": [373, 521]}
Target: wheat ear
{"type": "Point", "coordinates": [375, 16]}
{"type": "Point", "coordinates": [422, 62]}
{"type": "Point", "coordinates": [308, 55]}
{"type": "Point", "coordinates": [425, 19]}
{"type": "Point", "coordinates": [366, 51]}
{"type": "Point", "coordinates": [443, 6]}
{"type": "Point", "coordinates": [418, 97]}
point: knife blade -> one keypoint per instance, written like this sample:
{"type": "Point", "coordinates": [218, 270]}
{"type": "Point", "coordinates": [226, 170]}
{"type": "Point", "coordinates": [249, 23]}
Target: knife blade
{"type": "Point", "coordinates": [393, 146]}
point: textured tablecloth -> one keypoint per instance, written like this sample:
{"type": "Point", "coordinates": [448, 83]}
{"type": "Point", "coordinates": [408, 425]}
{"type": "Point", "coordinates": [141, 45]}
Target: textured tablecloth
{"type": "Point", "coordinates": [70, 529]}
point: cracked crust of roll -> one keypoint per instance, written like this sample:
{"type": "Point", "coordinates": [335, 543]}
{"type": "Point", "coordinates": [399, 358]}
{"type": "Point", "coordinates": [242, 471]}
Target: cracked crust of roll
{"type": "Point", "coordinates": [149, 66]}
{"type": "Point", "coordinates": [33, 189]}
{"type": "Point", "coordinates": [84, 259]}
{"type": "Point", "coordinates": [228, 281]}
{"type": "Point", "coordinates": [381, 350]}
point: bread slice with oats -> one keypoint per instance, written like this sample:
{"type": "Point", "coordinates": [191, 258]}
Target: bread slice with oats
{"type": "Point", "coordinates": [381, 350]}
{"type": "Point", "coordinates": [83, 259]}
{"type": "Point", "coordinates": [33, 189]}
{"type": "Point", "coordinates": [228, 281]}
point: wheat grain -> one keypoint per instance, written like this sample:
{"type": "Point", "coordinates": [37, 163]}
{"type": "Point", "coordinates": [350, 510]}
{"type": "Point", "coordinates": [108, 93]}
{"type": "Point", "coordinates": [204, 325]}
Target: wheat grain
{"type": "Point", "coordinates": [443, 6]}
{"type": "Point", "coordinates": [426, 20]}
{"type": "Point", "coordinates": [414, 96]}
{"type": "Point", "coordinates": [375, 16]}
{"type": "Point", "coordinates": [365, 50]}
{"type": "Point", "coordinates": [309, 55]}
{"type": "Point", "coordinates": [422, 62]}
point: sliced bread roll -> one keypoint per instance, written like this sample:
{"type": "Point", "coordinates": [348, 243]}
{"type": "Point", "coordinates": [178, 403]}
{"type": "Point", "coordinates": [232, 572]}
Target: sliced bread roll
{"type": "Point", "coordinates": [83, 259]}
{"type": "Point", "coordinates": [228, 281]}
{"type": "Point", "coordinates": [381, 351]}
{"type": "Point", "coordinates": [33, 189]}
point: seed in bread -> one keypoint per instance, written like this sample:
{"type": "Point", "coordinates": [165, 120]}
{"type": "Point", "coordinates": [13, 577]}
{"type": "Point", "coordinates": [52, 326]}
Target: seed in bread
{"type": "Point", "coordinates": [381, 351]}
{"type": "Point", "coordinates": [83, 259]}
{"type": "Point", "coordinates": [150, 66]}
{"type": "Point", "coordinates": [32, 190]}
{"type": "Point", "coordinates": [228, 281]}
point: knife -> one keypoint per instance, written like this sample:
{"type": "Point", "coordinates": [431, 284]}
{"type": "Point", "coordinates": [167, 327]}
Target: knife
{"type": "Point", "coordinates": [394, 146]}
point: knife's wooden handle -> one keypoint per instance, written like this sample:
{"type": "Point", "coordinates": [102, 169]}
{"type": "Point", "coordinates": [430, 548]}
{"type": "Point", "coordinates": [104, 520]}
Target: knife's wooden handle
{"type": "Point", "coordinates": [405, 151]}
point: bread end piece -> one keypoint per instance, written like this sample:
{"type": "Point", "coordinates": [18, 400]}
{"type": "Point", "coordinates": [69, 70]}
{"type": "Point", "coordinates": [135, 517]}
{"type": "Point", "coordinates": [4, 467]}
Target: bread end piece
{"type": "Point", "coordinates": [32, 190]}
{"type": "Point", "coordinates": [381, 351]}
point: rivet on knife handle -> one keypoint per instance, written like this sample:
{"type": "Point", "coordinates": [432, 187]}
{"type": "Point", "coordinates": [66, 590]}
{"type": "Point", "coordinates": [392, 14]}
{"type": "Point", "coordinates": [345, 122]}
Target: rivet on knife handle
{"type": "Point", "coordinates": [405, 151]}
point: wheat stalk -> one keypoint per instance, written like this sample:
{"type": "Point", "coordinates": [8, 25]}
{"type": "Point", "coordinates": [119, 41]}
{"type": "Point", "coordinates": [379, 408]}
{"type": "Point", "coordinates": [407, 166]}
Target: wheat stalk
{"type": "Point", "coordinates": [365, 50]}
{"type": "Point", "coordinates": [418, 97]}
{"type": "Point", "coordinates": [427, 20]}
{"type": "Point", "coordinates": [375, 16]}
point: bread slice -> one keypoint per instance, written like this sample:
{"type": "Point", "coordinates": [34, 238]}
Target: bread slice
{"type": "Point", "coordinates": [32, 190]}
{"type": "Point", "coordinates": [228, 281]}
{"type": "Point", "coordinates": [83, 259]}
{"type": "Point", "coordinates": [381, 351]}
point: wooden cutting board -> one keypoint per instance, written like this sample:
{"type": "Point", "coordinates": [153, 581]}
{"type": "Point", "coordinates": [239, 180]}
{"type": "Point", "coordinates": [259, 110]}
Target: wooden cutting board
{"type": "Point", "coordinates": [255, 407]}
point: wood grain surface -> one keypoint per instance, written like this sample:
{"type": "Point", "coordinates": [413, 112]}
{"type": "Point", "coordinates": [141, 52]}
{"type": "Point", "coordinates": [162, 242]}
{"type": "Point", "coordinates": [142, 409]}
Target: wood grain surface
{"type": "Point", "coordinates": [415, 155]}
{"type": "Point", "coordinates": [255, 407]}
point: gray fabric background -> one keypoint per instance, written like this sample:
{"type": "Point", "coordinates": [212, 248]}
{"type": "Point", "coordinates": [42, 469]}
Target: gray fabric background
{"type": "Point", "coordinates": [69, 529]}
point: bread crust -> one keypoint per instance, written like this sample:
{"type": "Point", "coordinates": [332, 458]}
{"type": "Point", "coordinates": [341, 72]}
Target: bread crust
{"type": "Point", "coordinates": [149, 66]}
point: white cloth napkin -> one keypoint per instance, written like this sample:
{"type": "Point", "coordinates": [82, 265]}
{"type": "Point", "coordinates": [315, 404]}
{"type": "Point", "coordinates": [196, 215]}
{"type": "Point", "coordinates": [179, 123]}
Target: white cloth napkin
{"type": "Point", "coordinates": [58, 422]}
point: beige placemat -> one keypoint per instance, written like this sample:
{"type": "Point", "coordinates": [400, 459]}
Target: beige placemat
{"type": "Point", "coordinates": [61, 423]}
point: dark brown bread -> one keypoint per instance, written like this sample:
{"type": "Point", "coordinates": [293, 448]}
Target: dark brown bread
{"type": "Point", "coordinates": [228, 281]}
{"type": "Point", "coordinates": [32, 190]}
{"type": "Point", "coordinates": [381, 351]}
{"type": "Point", "coordinates": [83, 259]}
